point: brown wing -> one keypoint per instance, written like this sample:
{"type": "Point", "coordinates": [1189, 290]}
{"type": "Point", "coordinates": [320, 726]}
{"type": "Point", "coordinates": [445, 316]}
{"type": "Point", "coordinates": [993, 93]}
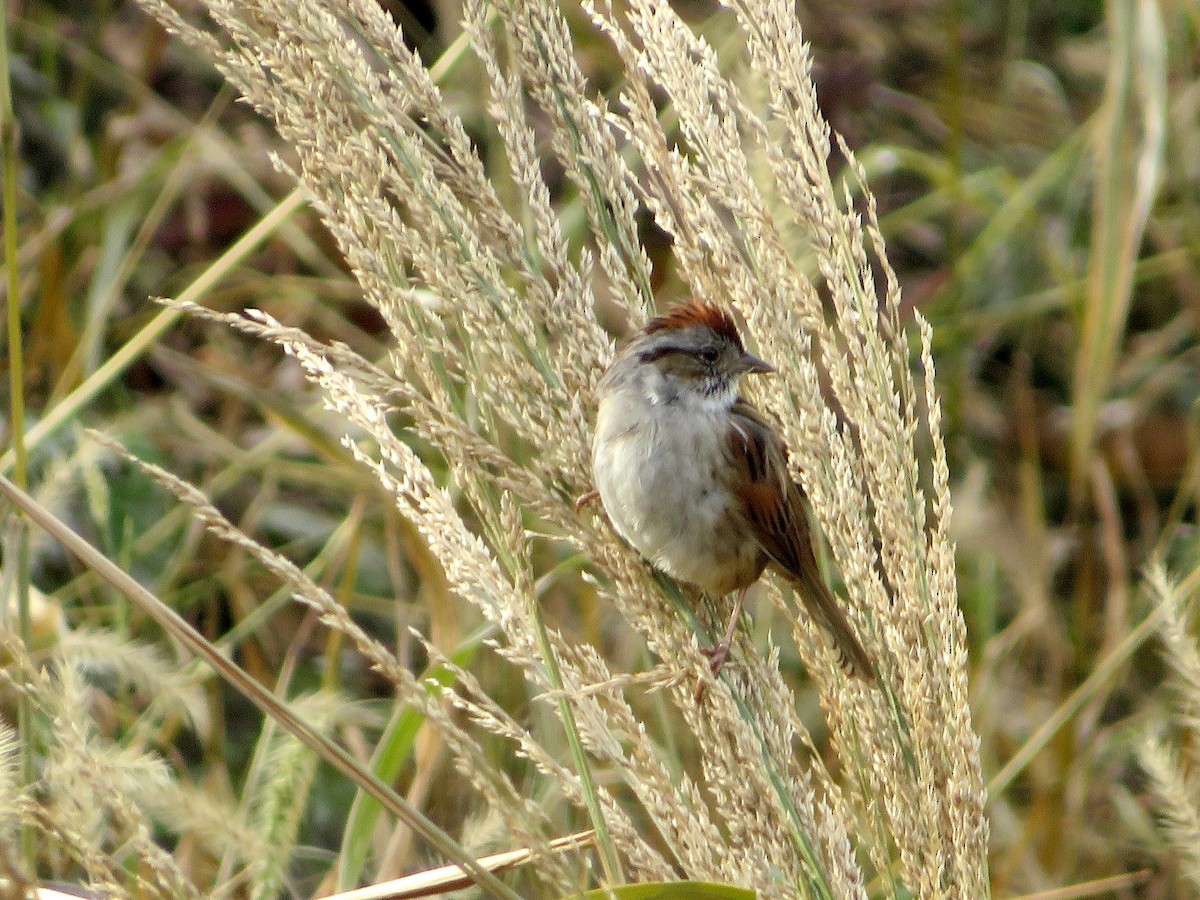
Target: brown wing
{"type": "Point", "coordinates": [774, 507]}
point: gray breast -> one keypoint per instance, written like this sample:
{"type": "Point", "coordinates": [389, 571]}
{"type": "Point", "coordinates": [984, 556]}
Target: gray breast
{"type": "Point", "coordinates": [659, 477]}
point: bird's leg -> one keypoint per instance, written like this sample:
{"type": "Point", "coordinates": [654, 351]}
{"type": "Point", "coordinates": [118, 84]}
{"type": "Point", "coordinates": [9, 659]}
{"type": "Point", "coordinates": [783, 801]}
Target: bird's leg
{"type": "Point", "coordinates": [718, 654]}
{"type": "Point", "coordinates": [585, 499]}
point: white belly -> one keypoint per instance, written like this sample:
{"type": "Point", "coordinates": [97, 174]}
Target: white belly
{"type": "Point", "coordinates": [659, 479]}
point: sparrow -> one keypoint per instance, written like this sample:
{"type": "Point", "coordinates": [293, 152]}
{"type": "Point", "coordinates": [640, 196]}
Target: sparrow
{"type": "Point", "coordinates": [696, 480]}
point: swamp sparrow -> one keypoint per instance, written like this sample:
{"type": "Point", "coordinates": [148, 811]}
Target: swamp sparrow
{"type": "Point", "coordinates": [696, 479]}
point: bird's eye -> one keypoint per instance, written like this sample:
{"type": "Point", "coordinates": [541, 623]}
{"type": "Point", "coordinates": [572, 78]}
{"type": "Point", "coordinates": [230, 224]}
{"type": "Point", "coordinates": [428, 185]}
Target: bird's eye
{"type": "Point", "coordinates": [708, 354]}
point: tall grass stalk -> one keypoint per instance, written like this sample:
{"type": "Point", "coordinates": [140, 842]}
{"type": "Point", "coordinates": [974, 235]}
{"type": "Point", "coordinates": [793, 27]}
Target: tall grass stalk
{"type": "Point", "coordinates": [493, 283]}
{"type": "Point", "coordinates": [493, 311]}
{"type": "Point", "coordinates": [1168, 752]}
{"type": "Point", "coordinates": [1129, 147]}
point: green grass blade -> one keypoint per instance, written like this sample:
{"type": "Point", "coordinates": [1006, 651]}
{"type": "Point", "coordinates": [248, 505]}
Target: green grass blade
{"type": "Point", "coordinates": [393, 751]}
{"type": "Point", "coordinates": [1130, 143]}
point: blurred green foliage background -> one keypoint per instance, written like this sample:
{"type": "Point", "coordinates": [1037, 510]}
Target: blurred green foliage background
{"type": "Point", "coordinates": [1037, 169]}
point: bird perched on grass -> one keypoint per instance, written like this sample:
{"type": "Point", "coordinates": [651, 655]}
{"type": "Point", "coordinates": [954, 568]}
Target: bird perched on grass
{"type": "Point", "coordinates": [696, 479]}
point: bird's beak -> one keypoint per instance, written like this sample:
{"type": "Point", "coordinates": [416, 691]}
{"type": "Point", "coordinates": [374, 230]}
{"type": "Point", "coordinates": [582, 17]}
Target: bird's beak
{"type": "Point", "coordinates": [752, 365]}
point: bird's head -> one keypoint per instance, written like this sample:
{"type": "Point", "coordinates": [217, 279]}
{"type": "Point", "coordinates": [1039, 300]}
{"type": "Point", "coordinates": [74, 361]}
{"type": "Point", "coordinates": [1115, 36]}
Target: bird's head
{"type": "Point", "coordinates": [694, 349]}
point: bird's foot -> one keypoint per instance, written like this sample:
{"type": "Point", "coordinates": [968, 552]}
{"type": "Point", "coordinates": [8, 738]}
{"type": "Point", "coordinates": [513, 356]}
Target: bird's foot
{"type": "Point", "coordinates": [717, 656]}
{"type": "Point", "coordinates": [720, 652]}
{"type": "Point", "coordinates": [585, 499]}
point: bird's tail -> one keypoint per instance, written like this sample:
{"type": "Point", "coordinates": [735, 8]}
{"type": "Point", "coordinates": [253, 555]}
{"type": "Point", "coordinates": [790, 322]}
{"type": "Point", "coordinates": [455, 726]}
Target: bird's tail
{"type": "Point", "coordinates": [825, 607]}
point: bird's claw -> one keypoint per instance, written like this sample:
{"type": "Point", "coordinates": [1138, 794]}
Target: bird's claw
{"type": "Point", "coordinates": [717, 656]}
{"type": "Point", "coordinates": [585, 499]}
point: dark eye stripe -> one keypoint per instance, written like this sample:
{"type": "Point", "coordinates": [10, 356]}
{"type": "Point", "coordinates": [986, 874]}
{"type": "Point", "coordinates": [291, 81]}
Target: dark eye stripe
{"type": "Point", "coordinates": [707, 354]}
{"type": "Point", "coordinates": [658, 353]}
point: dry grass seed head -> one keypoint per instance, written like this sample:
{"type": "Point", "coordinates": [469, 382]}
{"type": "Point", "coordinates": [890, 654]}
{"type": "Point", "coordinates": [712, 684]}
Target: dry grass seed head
{"type": "Point", "coordinates": [396, 181]}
